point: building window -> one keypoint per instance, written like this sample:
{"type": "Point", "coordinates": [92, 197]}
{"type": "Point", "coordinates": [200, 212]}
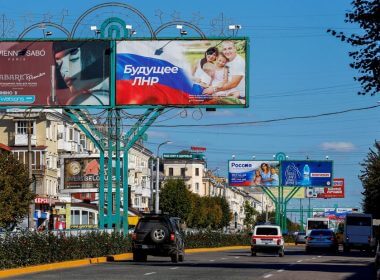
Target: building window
{"type": "Point", "coordinates": [22, 127]}
{"type": "Point", "coordinates": [71, 134]}
{"type": "Point", "coordinates": [143, 200]}
{"type": "Point", "coordinates": [75, 217]}
{"type": "Point", "coordinates": [197, 187]}
{"type": "Point", "coordinates": [83, 141]}
{"type": "Point", "coordinates": [183, 172]}
{"type": "Point", "coordinates": [196, 171]}
{"type": "Point", "coordinates": [171, 172]}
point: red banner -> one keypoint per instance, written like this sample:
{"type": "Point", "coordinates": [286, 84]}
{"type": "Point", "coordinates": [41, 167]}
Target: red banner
{"type": "Point", "coordinates": [337, 191]}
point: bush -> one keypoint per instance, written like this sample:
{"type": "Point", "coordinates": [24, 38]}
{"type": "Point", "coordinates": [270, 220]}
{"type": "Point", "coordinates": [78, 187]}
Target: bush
{"type": "Point", "coordinates": [33, 248]}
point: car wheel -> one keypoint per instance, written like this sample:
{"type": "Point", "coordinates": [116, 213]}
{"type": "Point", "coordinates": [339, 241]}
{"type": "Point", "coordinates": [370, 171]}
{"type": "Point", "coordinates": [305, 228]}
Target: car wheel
{"type": "Point", "coordinates": [308, 250]}
{"type": "Point", "coordinates": [174, 257]}
{"type": "Point", "coordinates": [159, 234]}
{"type": "Point", "coordinates": [346, 249]}
{"type": "Point", "coordinates": [296, 243]}
{"type": "Point", "coordinates": [181, 257]}
{"type": "Point", "coordinates": [281, 253]}
{"type": "Point", "coordinates": [253, 254]}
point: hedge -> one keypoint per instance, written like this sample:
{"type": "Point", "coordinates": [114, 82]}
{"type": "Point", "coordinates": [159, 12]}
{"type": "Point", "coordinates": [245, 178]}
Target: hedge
{"type": "Point", "coordinates": [33, 248]}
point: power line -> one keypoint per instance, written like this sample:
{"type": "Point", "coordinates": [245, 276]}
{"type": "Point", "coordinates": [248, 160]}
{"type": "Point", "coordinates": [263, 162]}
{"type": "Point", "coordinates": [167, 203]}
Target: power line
{"type": "Point", "coordinates": [273, 120]}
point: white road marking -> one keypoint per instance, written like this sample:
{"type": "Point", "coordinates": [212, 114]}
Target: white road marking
{"type": "Point", "coordinates": [223, 258]}
{"type": "Point", "coordinates": [299, 261]}
{"type": "Point", "coordinates": [149, 273]}
{"type": "Point", "coordinates": [174, 267]}
{"type": "Point", "coordinates": [237, 257]}
{"type": "Point", "coordinates": [212, 260]}
{"type": "Point", "coordinates": [268, 275]}
{"type": "Point", "coordinates": [280, 270]}
{"type": "Point", "coordinates": [313, 258]}
{"type": "Point", "coordinates": [319, 256]}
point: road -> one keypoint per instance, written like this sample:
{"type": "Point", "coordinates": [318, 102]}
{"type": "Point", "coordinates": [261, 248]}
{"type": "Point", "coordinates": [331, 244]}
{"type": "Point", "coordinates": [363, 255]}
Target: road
{"type": "Point", "coordinates": [231, 265]}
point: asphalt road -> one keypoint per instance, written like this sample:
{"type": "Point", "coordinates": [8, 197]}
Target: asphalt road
{"type": "Point", "coordinates": [296, 265]}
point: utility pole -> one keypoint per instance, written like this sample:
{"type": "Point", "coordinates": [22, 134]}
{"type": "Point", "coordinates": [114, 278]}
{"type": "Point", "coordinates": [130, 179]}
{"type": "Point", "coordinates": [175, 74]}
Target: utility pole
{"type": "Point", "coordinates": [151, 184]}
{"type": "Point", "coordinates": [30, 176]}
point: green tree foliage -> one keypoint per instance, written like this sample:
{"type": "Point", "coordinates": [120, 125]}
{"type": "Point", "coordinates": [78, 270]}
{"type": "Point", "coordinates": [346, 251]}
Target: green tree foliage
{"type": "Point", "coordinates": [365, 14]}
{"type": "Point", "coordinates": [370, 177]}
{"type": "Point", "coordinates": [175, 199]}
{"type": "Point", "coordinates": [15, 195]}
{"type": "Point", "coordinates": [250, 215]}
{"type": "Point", "coordinates": [196, 211]}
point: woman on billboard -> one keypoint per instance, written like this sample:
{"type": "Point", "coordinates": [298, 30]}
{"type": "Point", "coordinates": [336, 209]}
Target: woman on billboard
{"type": "Point", "coordinates": [82, 73]}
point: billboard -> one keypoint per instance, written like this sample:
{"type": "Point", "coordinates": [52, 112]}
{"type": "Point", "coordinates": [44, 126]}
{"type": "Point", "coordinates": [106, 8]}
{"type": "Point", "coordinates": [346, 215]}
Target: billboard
{"type": "Point", "coordinates": [337, 191]}
{"type": "Point", "coordinates": [251, 173]}
{"type": "Point", "coordinates": [306, 173]}
{"type": "Point", "coordinates": [55, 73]}
{"type": "Point", "coordinates": [182, 73]}
{"type": "Point", "coordinates": [81, 173]}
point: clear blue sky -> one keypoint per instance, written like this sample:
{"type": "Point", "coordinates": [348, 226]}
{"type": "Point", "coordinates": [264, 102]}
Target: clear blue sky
{"type": "Point", "coordinates": [296, 69]}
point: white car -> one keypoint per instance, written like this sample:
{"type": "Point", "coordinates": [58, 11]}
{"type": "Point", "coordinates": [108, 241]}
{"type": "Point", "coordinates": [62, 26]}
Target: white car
{"type": "Point", "coordinates": [267, 238]}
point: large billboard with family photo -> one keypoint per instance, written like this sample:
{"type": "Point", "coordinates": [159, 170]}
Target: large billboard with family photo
{"type": "Point", "coordinates": [55, 73]}
{"type": "Point", "coordinates": [182, 73]}
{"type": "Point", "coordinates": [251, 173]}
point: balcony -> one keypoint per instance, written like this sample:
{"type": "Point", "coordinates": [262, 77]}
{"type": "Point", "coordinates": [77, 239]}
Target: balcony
{"type": "Point", "coordinates": [64, 145]}
{"type": "Point", "coordinates": [22, 140]}
{"type": "Point", "coordinates": [38, 170]}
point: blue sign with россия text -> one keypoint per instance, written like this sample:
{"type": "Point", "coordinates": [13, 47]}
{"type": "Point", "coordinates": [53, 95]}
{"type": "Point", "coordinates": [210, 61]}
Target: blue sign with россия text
{"type": "Point", "coordinates": [307, 173]}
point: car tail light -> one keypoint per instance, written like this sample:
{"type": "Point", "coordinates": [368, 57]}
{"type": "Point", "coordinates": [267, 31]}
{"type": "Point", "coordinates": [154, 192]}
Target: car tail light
{"type": "Point", "coordinates": [172, 237]}
{"type": "Point", "coordinates": [278, 241]}
{"type": "Point", "coordinates": [309, 238]}
{"type": "Point", "coordinates": [369, 239]}
{"type": "Point", "coordinates": [253, 240]}
{"type": "Point", "coordinates": [332, 238]}
{"type": "Point", "coordinates": [134, 236]}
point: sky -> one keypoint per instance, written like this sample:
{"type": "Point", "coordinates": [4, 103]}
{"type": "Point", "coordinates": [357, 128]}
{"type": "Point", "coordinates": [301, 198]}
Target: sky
{"type": "Point", "coordinates": [295, 69]}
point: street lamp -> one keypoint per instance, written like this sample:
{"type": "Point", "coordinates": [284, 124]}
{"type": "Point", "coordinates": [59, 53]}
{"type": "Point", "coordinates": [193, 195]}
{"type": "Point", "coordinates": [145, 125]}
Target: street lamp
{"type": "Point", "coordinates": [157, 202]}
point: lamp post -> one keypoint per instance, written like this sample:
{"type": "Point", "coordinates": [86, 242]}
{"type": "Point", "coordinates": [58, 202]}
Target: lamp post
{"type": "Point", "coordinates": [157, 202]}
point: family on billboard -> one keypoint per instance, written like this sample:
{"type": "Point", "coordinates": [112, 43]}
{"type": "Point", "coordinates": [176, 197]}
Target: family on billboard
{"type": "Point", "coordinates": [254, 173]}
{"type": "Point", "coordinates": [191, 72]}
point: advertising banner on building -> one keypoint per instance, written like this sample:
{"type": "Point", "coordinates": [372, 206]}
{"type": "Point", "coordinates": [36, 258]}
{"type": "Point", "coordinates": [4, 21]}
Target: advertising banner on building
{"type": "Point", "coordinates": [332, 213]}
{"type": "Point", "coordinates": [54, 74]}
{"type": "Point", "coordinates": [337, 191]}
{"type": "Point", "coordinates": [299, 194]}
{"type": "Point", "coordinates": [81, 173]}
{"type": "Point", "coordinates": [182, 73]}
{"type": "Point", "coordinates": [307, 173]}
{"type": "Point", "coordinates": [252, 173]}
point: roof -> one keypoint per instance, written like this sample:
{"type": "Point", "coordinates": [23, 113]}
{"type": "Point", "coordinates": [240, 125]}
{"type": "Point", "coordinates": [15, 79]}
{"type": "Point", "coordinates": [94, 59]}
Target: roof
{"type": "Point", "coordinates": [5, 147]}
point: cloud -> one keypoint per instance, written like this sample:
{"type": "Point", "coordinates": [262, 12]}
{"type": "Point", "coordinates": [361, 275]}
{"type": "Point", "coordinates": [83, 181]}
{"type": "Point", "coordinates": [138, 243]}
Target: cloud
{"type": "Point", "coordinates": [338, 146]}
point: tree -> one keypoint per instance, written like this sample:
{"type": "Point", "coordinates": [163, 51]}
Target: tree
{"type": "Point", "coordinates": [175, 199]}
{"type": "Point", "coordinates": [370, 177]}
{"type": "Point", "coordinates": [366, 14]}
{"type": "Point", "coordinates": [15, 194]}
{"type": "Point", "coordinates": [250, 215]}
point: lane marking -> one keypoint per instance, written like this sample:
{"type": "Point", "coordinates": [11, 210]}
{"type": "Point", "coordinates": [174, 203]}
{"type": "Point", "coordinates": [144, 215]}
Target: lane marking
{"type": "Point", "coordinates": [212, 260]}
{"type": "Point", "coordinates": [280, 270]}
{"type": "Point", "coordinates": [223, 258]}
{"type": "Point", "coordinates": [299, 261]}
{"type": "Point", "coordinates": [149, 273]}
{"type": "Point", "coordinates": [268, 275]}
{"type": "Point", "coordinates": [319, 256]}
{"type": "Point", "coordinates": [237, 257]}
{"type": "Point", "coordinates": [174, 267]}
{"type": "Point", "coordinates": [313, 258]}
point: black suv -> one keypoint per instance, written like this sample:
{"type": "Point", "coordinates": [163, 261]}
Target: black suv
{"type": "Point", "coordinates": [158, 235]}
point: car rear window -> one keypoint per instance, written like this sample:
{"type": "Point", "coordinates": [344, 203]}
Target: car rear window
{"type": "Point", "coordinates": [266, 231]}
{"type": "Point", "coordinates": [321, 232]}
{"type": "Point", "coordinates": [148, 224]}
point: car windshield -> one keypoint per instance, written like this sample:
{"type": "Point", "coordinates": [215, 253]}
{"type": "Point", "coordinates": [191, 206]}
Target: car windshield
{"type": "Point", "coordinates": [321, 232]}
{"type": "Point", "coordinates": [266, 231]}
